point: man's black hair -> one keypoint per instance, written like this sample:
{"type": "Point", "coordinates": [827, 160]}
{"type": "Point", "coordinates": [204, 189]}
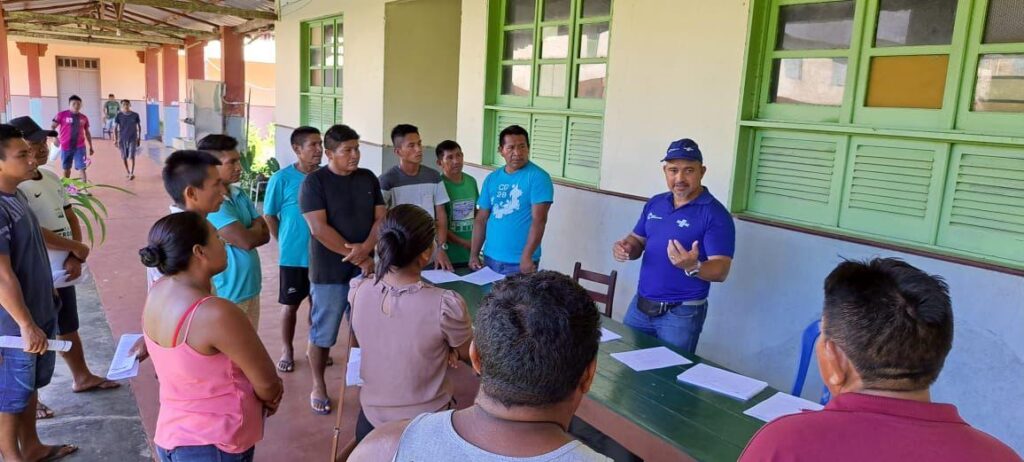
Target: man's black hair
{"type": "Point", "coordinates": [186, 168]}
{"type": "Point", "coordinates": [338, 134]}
{"type": "Point", "coordinates": [536, 335]}
{"type": "Point", "coordinates": [400, 131]}
{"type": "Point", "coordinates": [217, 143]}
{"type": "Point", "coordinates": [110, 95]}
{"type": "Point", "coordinates": [299, 135]}
{"type": "Point", "coordinates": [445, 146]}
{"type": "Point", "coordinates": [512, 130]}
{"type": "Point", "coordinates": [124, 101]}
{"type": "Point", "coordinates": [74, 98]}
{"type": "Point", "coordinates": [893, 321]}
{"type": "Point", "coordinates": [7, 133]}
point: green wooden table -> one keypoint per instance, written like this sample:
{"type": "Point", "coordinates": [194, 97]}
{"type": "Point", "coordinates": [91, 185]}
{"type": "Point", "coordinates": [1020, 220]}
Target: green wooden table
{"type": "Point", "coordinates": [651, 413]}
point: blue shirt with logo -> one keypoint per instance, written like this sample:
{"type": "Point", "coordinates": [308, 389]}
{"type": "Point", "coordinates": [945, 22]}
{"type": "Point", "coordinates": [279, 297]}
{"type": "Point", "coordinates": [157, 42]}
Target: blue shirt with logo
{"type": "Point", "coordinates": [241, 280]}
{"type": "Point", "coordinates": [282, 201]}
{"type": "Point", "coordinates": [510, 199]}
{"type": "Point", "coordinates": [704, 220]}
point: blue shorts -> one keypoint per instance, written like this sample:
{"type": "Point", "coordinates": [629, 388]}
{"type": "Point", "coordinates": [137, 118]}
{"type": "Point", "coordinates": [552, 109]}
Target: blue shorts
{"type": "Point", "coordinates": [503, 268]}
{"type": "Point", "coordinates": [21, 375]}
{"type": "Point", "coordinates": [77, 155]}
{"type": "Point", "coordinates": [208, 453]}
{"type": "Point", "coordinates": [330, 302]}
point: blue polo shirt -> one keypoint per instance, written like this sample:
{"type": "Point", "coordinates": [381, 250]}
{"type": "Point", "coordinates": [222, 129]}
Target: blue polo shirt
{"type": "Point", "coordinates": [510, 199]}
{"type": "Point", "coordinates": [241, 280]}
{"type": "Point", "coordinates": [282, 201]}
{"type": "Point", "coordinates": [704, 220]}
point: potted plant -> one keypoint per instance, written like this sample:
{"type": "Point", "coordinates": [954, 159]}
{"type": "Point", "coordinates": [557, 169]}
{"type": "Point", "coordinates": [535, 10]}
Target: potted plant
{"type": "Point", "coordinates": [88, 208]}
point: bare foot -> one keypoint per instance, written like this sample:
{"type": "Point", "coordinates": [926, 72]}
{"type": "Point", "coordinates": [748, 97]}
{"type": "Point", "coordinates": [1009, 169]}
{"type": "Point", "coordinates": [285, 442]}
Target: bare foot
{"type": "Point", "coordinates": [93, 383]}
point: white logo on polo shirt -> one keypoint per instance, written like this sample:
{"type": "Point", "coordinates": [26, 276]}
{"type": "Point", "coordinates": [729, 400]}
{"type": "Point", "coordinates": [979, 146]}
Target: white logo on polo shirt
{"type": "Point", "coordinates": [683, 223]}
{"type": "Point", "coordinates": [652, 216]}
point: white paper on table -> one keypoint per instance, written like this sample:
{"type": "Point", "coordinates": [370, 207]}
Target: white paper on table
{"type": "Point", "coordinates": [440, 276]}
{"type": "Point", "coordinates": [722, 381]}
{"type": "Point", "coordinates": [10, 341]}
{"type": "Point", "coordinates": [355, 361]}
{"type": "Point", "coordinates": [60, 278]}
{"type": "Point", "coordinates": [608, 336]}
{"type": "Point", "coordinates": [650, 358]}
{"type": "Point", "coordinates": [483, 277]}
{"type": "Point", "coordinates": [781, 404]}
{"type": "Point", "coordinates": [124, 365]}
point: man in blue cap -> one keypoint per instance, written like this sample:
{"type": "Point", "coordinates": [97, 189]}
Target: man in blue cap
{"type": "Point", "coordinates": [687, 239]}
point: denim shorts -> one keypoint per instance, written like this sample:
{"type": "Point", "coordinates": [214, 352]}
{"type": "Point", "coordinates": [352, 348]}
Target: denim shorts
{"type": "Point", "coordinates": [21, 374]}
{"type": "Point", "coordinates": [76, 155]}
{"type": "Point", "coordinates": [330, 302]}
{"type": "Point", "coordinates": [208, 453]}
{"type": "Point", "coordinates": [503, 268]}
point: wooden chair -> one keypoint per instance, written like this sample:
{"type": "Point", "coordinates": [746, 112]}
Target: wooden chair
{"type": "Point", "coordinates": [608, 298]}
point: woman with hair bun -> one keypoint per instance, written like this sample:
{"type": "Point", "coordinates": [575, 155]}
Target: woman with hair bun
{"type": "Point", "coordinates": [217, 382]}
{"type": "Point", "coordinates": [409, 331]}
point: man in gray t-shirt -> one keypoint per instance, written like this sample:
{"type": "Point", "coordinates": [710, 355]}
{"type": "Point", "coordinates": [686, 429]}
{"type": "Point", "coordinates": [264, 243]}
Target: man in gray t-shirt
{"type": "Point", "coordinates": [127, 135]}
{"type": "Point", "coordinates": [410, 182]}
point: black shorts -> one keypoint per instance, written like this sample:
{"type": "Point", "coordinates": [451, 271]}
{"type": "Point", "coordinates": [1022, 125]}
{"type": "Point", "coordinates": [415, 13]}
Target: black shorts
{"type": "Point", "coordinates": [67, 313]}
{"type": "Point", "coordinates": [294, 285]}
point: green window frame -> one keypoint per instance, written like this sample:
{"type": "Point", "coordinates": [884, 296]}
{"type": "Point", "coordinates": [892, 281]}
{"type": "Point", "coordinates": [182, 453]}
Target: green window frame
{"type": "Point", "coordinates": [548, 72]}
{"type": "Point", "coordinates": [943, 178]}
{"type": "Point", "coordinates": [322, 51]}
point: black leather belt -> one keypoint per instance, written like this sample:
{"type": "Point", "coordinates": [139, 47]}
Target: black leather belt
{"type": "Point", "coordinates": [653, 308]}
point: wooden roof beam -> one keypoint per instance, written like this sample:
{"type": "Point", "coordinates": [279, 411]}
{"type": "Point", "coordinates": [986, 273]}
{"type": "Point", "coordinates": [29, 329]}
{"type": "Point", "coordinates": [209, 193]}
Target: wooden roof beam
{"type": "Point", "coordinates": [191, 6]}
{"type": "Point", "coordinates": [253, 25]}
{"type": "Point", "coordinates": [103, 41]}
{"type": "Point", "coordinates": [42, 18]}
{"type": "Point", "coordinates": [44, 28]}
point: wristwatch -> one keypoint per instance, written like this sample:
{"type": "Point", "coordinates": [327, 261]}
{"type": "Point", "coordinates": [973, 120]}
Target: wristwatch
{"type": "Point", "coordinates": [694, 272]}
{"type": "Point", "coordinates": [443, 246]}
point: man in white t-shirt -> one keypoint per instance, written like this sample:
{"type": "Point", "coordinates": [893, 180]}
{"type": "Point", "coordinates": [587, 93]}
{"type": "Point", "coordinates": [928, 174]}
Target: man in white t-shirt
{"type": "Point", "coordinates": [62, 234]}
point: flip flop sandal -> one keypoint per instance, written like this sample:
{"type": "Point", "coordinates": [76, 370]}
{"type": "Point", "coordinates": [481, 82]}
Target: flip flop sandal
{"type": "Point", "coordinates": [324, 404]}
{"type": "Point", "coordinates": [59, 452]}
{"type": "Point", "coordinates": [43, 412]}
{"type": "Point", "coordinates": [286, 366]}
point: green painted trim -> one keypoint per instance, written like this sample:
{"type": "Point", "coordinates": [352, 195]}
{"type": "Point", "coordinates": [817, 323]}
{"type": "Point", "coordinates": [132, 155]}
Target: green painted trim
{"type": "Point", "coordinates": [947, 136]}
{"type": "Point", "coordinates": [530, 110]}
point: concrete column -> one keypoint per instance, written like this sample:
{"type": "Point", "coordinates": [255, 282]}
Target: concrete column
{"type": "Point", "coordinates": [32, 52]}
{"type": "Point", "coordinates": [195, 63]}
{"type": "Point", "coordinates": [5, 72]}
{"type": "Point", "coordinates": [170, 110]}
{"type": "Point", "coordinates": [233, 75]}
{"type": "Point", "coordinates": [152, 93]}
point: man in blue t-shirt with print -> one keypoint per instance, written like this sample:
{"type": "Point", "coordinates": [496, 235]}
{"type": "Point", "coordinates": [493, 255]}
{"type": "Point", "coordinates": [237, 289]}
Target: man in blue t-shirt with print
{"type": "Point", "coordinates": [284, 218]}
{"type": "Point", "coordinates": [687, 239]}
{"type": "Point", "coordinates": [514, 204]}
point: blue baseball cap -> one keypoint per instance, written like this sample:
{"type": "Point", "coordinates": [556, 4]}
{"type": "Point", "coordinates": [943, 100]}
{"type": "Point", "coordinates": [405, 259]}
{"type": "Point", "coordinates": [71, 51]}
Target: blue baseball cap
{"type": "Point", "coordinates": [684, 149]}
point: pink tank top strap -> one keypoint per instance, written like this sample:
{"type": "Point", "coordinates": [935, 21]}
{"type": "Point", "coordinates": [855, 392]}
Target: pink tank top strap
{"type": "Point", "coordinates": [188, 315]}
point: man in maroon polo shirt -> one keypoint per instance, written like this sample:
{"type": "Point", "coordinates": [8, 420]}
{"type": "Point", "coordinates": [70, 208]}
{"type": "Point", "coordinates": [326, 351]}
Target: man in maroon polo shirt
{"type": "Point", "coordinates": [886, 329]}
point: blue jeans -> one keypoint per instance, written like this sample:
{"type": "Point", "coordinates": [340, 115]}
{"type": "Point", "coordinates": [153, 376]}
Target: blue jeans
{"type": "Point", "coordinates": [329, 304]}
{"type": "Point", "coordinates": [208, 453]}
{"type": "Point", "coordinates": [680, 326]}
{"type": "Point", "coordinates": [501, 267]}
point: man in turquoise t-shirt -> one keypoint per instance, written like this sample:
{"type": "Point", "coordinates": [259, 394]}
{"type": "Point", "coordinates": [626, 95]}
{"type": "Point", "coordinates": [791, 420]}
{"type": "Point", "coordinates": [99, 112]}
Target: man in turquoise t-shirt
{"type": "Point", "coordinates": [461, 208]}
{"type": "Point", "coordinates": [241, 227]}
{"type": "Point", "coordinates": [514, 204]}
{"type": "Point", "coordinates": [283, 215]}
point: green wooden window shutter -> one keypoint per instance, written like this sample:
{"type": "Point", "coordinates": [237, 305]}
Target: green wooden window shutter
{"type": "Point", "coordinates": [583, 155]}
{"type": "Point", "coordinates": [337, 111]}
{"type": "Point", "coordinates": [986, 211]}
{"type": "Point", "coordinates": [894, 188]}
{"type": "Point", "coordinates": [797, 175]}
{"type": "Point", "coordinates": [547, 143]}
{"type": "Point", "coordinates": [314, 112]}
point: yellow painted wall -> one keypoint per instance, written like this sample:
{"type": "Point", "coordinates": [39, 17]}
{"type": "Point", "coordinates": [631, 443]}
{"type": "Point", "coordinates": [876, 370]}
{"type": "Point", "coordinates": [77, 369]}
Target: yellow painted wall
{"type": "Point", "coordinates": [421, 67]}
{"type": "Point", "coordinates": [674, 71]}
{"type": "Point", "coordinates": [364, 62]}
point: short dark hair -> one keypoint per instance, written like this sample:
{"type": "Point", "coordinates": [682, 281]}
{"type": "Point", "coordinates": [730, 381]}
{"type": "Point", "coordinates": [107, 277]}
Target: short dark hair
{"type": "Point", "coordinates": [893, 321]}
{"type": "Point", "coordinates": [401, 131]}
{"type": "Point", "coordinates": [338, 134]}
{"type": "Point", "coordinates": [7, 133]}
{"type": "Point", "coordinates": [300, 134]}
{"type": "Point", "coordinates": [124, 101]}
{"type": "Point", "coordinates": [74, 98]}
{"type": "Point", "coordinates": [186, 168]}
{"type": "Point", "coordinates": [536, 335]}
{"type": "Point", "coordinates": [445, 146]}
{"type": "Point", "coordinates": [110, 95]}
{"type": "Point", "coordinates": [405, 232]}
{"type": "Point", "coordinates": [512, 130]}
{"type": "Point", "coordinates": [171, 240]}
{"type": "Point", "coordinates": [217, 143]}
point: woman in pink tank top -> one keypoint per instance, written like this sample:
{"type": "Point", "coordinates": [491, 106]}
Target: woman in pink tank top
{"type": "Point", "coordinates": [217, 382]}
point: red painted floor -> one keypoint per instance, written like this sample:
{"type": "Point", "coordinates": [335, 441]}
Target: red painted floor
{"type": "Point", "coordinates": [294, 433]}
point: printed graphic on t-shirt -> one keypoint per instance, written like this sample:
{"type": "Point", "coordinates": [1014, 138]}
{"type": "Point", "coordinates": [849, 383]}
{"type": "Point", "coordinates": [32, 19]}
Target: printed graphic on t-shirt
{"type": "Point", "coordinates": [462, 215]}
{"type": "Point", "coordinates": [508, 200]}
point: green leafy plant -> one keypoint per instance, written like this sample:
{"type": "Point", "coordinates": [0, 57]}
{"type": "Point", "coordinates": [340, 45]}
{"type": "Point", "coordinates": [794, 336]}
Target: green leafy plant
{"type": "Point", "coordinates": [258, 161]}
{"type": "Point", "coordinates": [88, 208]}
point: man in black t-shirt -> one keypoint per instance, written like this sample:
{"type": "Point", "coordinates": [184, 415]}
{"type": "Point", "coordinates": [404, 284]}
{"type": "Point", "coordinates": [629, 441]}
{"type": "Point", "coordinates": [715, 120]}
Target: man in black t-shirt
{"type": "Point", "coordinates": [342, 205]}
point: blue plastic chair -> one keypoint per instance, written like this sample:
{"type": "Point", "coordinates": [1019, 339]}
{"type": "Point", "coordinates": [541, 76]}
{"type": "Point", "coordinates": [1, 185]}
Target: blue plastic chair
{"type": "Point", "coordinates": [810, 336]}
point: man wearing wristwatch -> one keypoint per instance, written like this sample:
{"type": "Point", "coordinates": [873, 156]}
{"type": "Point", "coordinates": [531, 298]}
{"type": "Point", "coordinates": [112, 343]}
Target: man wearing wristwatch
{"type": "Point", "coordinates": [687, 239]}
